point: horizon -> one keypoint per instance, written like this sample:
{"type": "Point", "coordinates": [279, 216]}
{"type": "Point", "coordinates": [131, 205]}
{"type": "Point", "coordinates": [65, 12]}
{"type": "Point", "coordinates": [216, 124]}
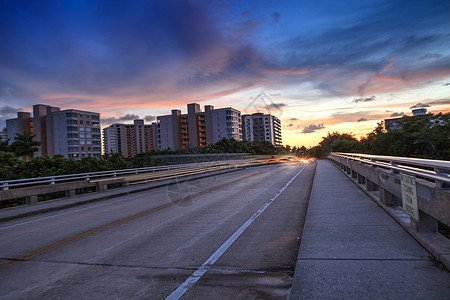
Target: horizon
{"type": "Point", "coordinates": [320, 66]}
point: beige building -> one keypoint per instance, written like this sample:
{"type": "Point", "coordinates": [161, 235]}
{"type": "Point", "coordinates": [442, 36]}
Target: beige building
{"type": "Point", "coordinates": [71, 133]}
{"type": "Point", "coordinates": [130, 139]}
{"type": "Point", "coordinates": [197, 127]}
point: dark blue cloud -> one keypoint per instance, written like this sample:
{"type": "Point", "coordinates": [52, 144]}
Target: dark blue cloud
{"type": "Point", "coordinates": [122, 48]}
{"type": "Point", "coordinates": [399, 30]}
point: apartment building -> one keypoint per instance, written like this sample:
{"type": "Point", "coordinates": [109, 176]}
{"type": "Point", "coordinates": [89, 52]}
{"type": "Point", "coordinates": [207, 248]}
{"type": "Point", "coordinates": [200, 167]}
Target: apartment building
{"type": "Point", "coordinates": [394, 123]}
{"type": "Point", "coordinates": [20, 125]}
{"type": "Point", "coordinates": [130, 139]}
{"type": "Point", "coordinates": [76, 133]}
{"type": "Point", "coordinates": [197, 127]}
{"type": "Point", "coordinates": [3, 135]}
{"type": "Point", "coordinates": [262, 127]}
{"type": "Point", "coordinates": [71, 133]}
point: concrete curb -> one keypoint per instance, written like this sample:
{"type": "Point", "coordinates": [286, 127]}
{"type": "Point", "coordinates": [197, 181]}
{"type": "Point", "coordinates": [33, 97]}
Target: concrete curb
{"type": "Point", "coordinates": [435, 243]}
{"type": "Point", "coordinates": [94, 197]}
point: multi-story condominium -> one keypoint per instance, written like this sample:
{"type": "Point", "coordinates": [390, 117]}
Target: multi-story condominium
{"type": "Point", "coordinates": [20, 125]}
{"type": "Point", "coordinates": [3, 135]}
{"type": "Point", "coordinates": [76, 133]}
{"type": "Point", "coordinates": [198, 128]}
{"type": "Point", "coordinates": [42, 115]}
{"type": "Point", "coordinates": [130, 139]}
{"type": "Point", "coordinates": [262, 127]}
{"type": "Point", "coordinates": [72, 133]}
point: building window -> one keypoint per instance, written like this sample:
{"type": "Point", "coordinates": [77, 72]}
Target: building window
{"type": "Point", "coordinates": [72, 135]}
{"type": "Point", "coordinates": [71, 115]}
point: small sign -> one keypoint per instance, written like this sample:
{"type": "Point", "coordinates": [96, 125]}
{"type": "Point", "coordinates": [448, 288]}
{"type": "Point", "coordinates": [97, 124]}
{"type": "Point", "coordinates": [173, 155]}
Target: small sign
{"type": "Point", "coordinates": [409, 196]}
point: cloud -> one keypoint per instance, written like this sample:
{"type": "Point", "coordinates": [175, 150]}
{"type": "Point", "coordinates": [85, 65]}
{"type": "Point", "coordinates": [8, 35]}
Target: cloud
{"type": "Point", "coordinates": [440, 101]}
{"type": "Point", "coordinates": [429, 56]}
{"type": "Point", "coordinates": [127, 117]}
{"type": "Point", "coordinates": [397, 115]}
{"type": "Point", "coordinates": [8, 111]}
{"type": "Point", "coordinates": [369, 99]}
{"type": "Point", "coordinates": [275, 17]}
{"type": "Point", "coordinates": [290, 125]}
{"type": "Point", "coordinates": [293, 119]}
{"type": "Point", "coordinates": [361, 120]}
{"type": "Point", "coordinates": [359, 58]}
{"type": "Point", "coordinates": [420, 105]}
{"type": "Point", "coordinates": [312, 127]}
{"type": "Point", "coordinates": [447, 84]}
{"type": "Point", "coordinates": [276, 106]}
{"type": "Point", "coordinates": [166, 53]}
{"type": "Point", "coordinates": [345, 116]}
{"type": "Point", "coordinates": [150, 118]}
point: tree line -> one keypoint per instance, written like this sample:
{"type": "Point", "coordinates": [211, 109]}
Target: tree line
{"type": "Point", "coordinates": [426, 136]}
{"type": "Point", "coordinates": [17, 162]}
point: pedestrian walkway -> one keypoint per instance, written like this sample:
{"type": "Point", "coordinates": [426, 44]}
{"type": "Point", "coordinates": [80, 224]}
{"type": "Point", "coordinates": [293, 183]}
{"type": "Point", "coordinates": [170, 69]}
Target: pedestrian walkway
{"type": "Point", "coordinates": [352, 249]}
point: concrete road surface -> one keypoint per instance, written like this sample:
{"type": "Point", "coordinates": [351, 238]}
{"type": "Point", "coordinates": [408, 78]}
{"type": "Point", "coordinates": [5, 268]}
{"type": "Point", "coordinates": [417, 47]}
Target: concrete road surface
{"type": "Point", "coordinates": [234, 235]}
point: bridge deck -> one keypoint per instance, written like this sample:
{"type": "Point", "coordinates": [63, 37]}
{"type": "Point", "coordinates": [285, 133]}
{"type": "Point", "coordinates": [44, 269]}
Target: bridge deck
{"type": "Point", "coordinates": [351, 248]}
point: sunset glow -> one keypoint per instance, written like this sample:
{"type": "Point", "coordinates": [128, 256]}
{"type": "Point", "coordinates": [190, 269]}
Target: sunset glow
{"type": "Point", "coordinates": [322, 65]}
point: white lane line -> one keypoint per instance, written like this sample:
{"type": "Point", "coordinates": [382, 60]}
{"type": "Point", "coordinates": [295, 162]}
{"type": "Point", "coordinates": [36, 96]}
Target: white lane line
{"type": "Point", "coordinates": [184, 287]}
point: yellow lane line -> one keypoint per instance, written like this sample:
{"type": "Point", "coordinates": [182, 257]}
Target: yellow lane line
{"type": "Point", "coordinates": [101, 228]}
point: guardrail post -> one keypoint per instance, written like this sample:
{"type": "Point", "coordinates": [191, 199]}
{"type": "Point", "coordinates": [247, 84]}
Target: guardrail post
{"type": "Point", "coordinates": [101, 188]}
{"type": "Point", "coordinates": [388, 198]}
{"type": "Point", "coordinates": [361, 179]}
{"type": "Point", "coordinates": [371, 186]}
{"type": "Point", "coordinates": [395, 164]}
{"type": "Point", "coordinates": [52, 180]}
{"type": "Point", "coordinates": [374, 161]}
{"type": "Point", "coordinates": [5, 187]}
{"type": "Point", "coordinates": [30, 200]}
{"type": "Point", "coordinates": [354, 174]}
{"type": "Point", "coordinates": [441, 184]}
{"type": "Point", "coordinates": [426, 224]}
{"type": "Point", "coordinates": [115, 174]}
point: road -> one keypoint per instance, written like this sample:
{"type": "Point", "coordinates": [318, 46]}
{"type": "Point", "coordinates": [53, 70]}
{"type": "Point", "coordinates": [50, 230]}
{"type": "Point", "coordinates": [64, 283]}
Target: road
{"type": "Point", "coordinates": [231, 235]}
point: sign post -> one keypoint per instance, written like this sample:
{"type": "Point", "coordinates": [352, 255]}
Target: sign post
{"type": "Point", "coordinates": [409, 196]}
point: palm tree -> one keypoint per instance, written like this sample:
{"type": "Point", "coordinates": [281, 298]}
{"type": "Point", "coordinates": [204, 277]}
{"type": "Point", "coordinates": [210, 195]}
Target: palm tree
{"type": "Point", "coordinates": [24, 145]}
{"type": "Point", "coordinates": [4, 145]}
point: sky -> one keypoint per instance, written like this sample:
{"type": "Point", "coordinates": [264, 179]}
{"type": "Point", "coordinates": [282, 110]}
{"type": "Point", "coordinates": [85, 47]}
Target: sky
{"type": "Point", "coordinates": [320, 66]}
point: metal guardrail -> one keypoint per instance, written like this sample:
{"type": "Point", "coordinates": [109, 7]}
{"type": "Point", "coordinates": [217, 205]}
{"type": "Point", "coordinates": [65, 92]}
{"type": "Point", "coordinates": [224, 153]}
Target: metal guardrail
{"type": "Point", "coordinates": [7, 184]}
{"type": "Point", "coordinates": [69, 185]}
{"type": "Point", "coordinates": [436, 170]}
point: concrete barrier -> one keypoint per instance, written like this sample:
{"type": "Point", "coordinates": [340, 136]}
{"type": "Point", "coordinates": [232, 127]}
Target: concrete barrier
{"type": "Point", "coordinates": [381, 179]}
